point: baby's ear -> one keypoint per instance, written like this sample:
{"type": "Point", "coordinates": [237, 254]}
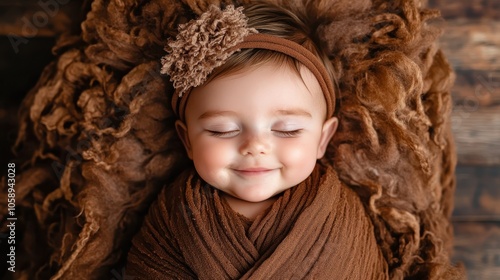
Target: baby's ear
{"type": "Point", "coordinates": [183, 135]}
{"type": "Point", "coordinates": [329, 128]}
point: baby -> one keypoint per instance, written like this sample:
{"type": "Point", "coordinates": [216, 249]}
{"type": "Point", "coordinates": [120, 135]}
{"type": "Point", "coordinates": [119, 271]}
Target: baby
{"type": "Point", "coordinates": [257, 132]}
{"type": "Point", "coordinates": [255, 101]}
{"type": "Point", "coordinates": [258, 125]}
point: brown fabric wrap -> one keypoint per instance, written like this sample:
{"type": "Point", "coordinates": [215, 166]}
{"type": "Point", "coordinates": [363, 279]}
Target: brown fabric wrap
{"type": "Point", "coordinates": [285, 46]}
{"type": "Point", "coordinates": [315, 230]}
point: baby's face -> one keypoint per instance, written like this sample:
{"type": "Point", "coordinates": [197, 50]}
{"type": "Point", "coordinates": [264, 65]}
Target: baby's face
{"type": "Point", "coordinates": [257, 133]}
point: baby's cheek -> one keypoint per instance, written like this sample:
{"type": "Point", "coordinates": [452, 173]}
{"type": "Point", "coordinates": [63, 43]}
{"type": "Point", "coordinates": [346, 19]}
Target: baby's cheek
{"type": "Point", "coordinates": [295, 153]}
{"type": "Point", "coordinates": [299, 158]}
{"type": "Point", "coordinates": [211, 162]}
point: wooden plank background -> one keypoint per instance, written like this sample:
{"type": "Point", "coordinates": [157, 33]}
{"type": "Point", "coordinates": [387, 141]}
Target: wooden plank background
{"type": "Point", "coordinates": [471, 42]}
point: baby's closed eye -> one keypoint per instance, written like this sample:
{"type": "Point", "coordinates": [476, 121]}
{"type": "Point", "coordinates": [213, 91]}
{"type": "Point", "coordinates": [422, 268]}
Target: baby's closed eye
{"type": "Point", "coordinates": [287, 133]}
{"type": "Point", "coordinates": [223, 134]}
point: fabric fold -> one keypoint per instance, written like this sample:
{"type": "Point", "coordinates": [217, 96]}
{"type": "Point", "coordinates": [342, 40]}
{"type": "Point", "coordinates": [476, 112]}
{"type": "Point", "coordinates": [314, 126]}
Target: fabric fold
{"type": "Point", "coordinates": [315, 230]}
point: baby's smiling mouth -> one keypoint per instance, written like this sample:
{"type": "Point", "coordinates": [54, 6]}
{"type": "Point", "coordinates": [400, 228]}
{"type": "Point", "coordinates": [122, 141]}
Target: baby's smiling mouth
{"type": "Point", "coordinates": [254, 171]}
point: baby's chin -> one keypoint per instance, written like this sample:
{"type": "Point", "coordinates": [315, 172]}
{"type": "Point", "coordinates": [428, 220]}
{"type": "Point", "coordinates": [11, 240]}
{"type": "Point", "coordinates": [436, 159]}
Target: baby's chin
{"type": "Point", "coordinates": [248, 206]}
{"type": "Point", "coordinates": [254, 197]}
{"type": "Point", "coordinates": [254, 192]}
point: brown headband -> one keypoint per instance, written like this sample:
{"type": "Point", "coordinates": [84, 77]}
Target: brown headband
{"type": "Point", "coordinates": [281, 45]}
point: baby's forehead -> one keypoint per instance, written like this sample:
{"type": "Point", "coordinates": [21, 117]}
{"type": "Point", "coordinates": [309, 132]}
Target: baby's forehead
{"type": "Point", "coordinates": [295, 73]}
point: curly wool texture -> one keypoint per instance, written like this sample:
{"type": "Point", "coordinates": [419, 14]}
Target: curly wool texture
{"type": "Point", "coordinates": [203, 45]}
{"type": "Point", "coordinates": [98, 138]}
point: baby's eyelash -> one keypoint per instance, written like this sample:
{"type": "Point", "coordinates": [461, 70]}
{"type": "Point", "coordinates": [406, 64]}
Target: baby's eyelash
{"type": "Point", "coordinates": [280, 133]}
{"type": "Point", "coordinates": [223, 133]}
{"type": "Point", "coordinates": [290, 133]}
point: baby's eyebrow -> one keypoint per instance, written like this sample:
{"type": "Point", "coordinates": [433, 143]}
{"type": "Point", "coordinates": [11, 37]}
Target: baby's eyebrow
{"type": "Point", "coordinates": [213, 114]}
{"type": "Point", "coordinates": [294, 111]}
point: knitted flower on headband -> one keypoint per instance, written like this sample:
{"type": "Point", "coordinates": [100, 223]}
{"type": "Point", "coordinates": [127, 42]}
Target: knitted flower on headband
{"type": "Point", "coordinates": [203, 45]}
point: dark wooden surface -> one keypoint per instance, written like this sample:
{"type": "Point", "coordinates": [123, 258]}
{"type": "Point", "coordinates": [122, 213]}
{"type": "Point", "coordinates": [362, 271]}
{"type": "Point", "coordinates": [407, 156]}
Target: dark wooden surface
{"type": "Point", "coordinates": [471, 42]}
{"type": "Point", "coordinates": [473, 48]}
{"type": "Point", "coordinates": [476, 220]}
{"type": "Point", "coordinates": [33, 18]}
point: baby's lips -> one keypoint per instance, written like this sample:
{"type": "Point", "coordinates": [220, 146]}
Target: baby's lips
{"type": "Point", "coordinates": [254, 169]}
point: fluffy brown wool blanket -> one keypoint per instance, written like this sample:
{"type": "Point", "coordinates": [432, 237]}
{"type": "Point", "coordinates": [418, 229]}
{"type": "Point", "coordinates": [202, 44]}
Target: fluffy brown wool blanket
{"type": "Point", "coordinates": [97, 140]}
{"type": "Point", "coordinates": [316, 230]}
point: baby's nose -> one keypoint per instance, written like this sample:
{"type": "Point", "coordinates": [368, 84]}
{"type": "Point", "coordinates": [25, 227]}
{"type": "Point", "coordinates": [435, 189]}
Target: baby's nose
{"type": "Point", "coordinates": [255, 145]}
